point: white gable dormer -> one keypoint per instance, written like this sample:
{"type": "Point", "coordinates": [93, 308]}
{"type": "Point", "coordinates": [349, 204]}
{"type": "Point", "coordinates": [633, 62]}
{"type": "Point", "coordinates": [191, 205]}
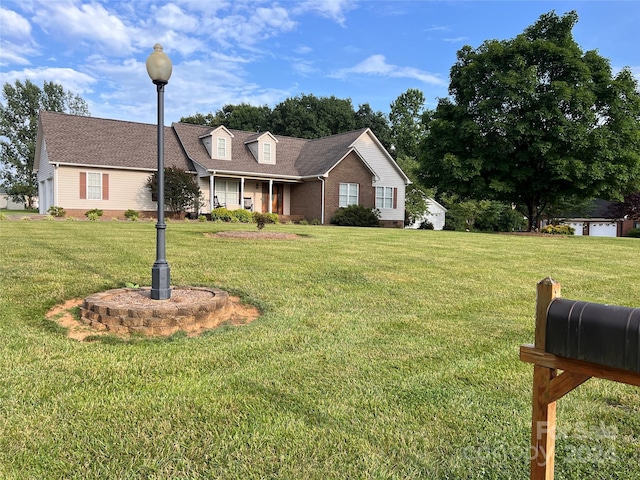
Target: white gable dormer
{"type": "Point", "coordinates": [263, 147]}
{"type": "Point", "coordinates": [218, 143]}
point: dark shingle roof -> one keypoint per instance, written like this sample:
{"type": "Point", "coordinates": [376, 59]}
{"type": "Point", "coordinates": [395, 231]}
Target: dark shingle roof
{"type": "Point", "coordinates": [81, 140]}
{"type": "Point", "coordinates": [74, 139]}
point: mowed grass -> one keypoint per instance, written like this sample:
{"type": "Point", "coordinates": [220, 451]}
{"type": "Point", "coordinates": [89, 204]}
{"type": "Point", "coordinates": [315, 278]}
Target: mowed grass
{"type": "Point", "coordinates": [380, 354]}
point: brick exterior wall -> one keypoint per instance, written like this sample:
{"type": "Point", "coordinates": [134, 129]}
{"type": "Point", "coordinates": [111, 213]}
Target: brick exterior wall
{"type": "Point", "coordinates": [350, 170]}
{"type": "Point", "coordinates": [306, 199]}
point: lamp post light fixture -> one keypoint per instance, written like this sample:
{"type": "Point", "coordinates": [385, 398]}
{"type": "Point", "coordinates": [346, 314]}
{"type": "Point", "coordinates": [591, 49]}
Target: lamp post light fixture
{"type": "Point", "coordinates": [159, 69]}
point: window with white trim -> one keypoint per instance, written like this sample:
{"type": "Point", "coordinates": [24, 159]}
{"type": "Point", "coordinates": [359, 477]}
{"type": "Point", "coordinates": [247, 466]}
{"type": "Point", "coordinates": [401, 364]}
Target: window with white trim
{"type": "Point", "coordinates": [228, 192]}
{"type": "Point", "coordinates": [266, 151]}
{"type": "Point", "coordinates": [384, 197]}
{"type": "Point", "coordinates": [348, 194]}
{"type": "Point", "coordinates": [222, 147]}
{"type": "Point", "coordinates": [94, 186]}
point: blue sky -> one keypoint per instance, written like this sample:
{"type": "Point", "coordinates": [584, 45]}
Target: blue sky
{"type": "Point", "coordinates": [233, 51]}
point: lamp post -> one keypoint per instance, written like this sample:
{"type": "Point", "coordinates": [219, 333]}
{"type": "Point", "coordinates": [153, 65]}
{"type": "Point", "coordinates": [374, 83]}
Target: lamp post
{"type": "Point", "coordinates": [159, 69]}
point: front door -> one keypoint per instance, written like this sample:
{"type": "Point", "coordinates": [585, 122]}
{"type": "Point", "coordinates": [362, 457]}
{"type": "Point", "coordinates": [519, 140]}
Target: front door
{"type": "Point", "coordinates": [276, 199]}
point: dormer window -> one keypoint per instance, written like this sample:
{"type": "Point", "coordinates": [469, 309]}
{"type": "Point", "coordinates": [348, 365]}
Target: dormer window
{"type": "Point", "coordinates": [222, 147]}
{"type": "Point", "coordinates": [266, 152]}
{"type": "Point", "coordinates": [218, 143]}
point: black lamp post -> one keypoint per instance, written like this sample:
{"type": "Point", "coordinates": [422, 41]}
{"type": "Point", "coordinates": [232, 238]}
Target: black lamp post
{"type": "Point", "coordinates": [159, 69]}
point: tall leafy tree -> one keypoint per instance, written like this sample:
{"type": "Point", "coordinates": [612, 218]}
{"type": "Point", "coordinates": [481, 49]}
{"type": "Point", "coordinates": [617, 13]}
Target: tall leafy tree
{"type": "Point", "coordinates": [308, 116]}
{"type": "Point", "coordinates": [378, 122]}
{"type": "Point", "coordinates": [407, 126]}
{"type": "Point", "coordinates": [239, 117]}
{"type": "Point", "coordinates": [534, 119]}
{"type": "Point", "coordinates": [19, 129]}
{"type": "Point", "coordinates": [407, 131]}
{"type": "Point", "coordinates": [629, 207]}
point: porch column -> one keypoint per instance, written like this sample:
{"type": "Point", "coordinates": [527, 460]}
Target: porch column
{"type": "Point", "coordinates": [270, 196]}
{"type": "Point", "coordinates": [212, 192]}
{"type": "Point", "coordinates": [241, 192]}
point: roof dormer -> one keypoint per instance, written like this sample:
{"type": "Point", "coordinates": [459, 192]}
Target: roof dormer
{"type": "Point", "coordinates": [218, 143]}
{"type": "Point", "coordinates": [263, 147]}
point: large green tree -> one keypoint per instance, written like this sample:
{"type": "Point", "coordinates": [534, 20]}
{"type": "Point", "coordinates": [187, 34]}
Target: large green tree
{"type": "Point", "coordinates": [239, 117]}
{"type": "Point", "coordinates": [407, 126]}
{"type": "Point", "coordinates": [406, 119]}
{"type": "Point", "coordinates": [181, 190]}
{"type": "Point", "coordinates": [308, 116]}
{"type": "Point", "coordinates": [19, 129]}
{"type": "Point", "coordinates": [304, 116]}
{"type": "Point", "coordinates": [533, 119]}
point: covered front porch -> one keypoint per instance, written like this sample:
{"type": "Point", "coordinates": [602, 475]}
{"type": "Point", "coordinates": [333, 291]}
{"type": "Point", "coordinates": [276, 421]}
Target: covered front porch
{"type": "Point", "coordinates": [251, 193]}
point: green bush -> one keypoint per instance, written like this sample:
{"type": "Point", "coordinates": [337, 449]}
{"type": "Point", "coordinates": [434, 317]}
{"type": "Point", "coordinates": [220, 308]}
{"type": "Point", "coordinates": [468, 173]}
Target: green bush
{"type": "Point", "coordinates": [356, 216]}
{"type": "Point", "coordinates": [242, 215]}
{"type": "Point", "coordinates": [425, 225]}
{"type": "Point", "coordinates": [202, 218]}
{"type": "Point", "coordinates": [2, 216]}
{"type": "Point", "coordinates": [131, 215]}
{"type": "Point", "coordinates": [303, 222]}
{"type": "Point", "coordinates": [56, 211]}
{"type": "Point", "coordinates": [634, 233]}
{"type": "Point", "coordinates": [558, 230]}
{"type": "Point", "coordinates": [221, 215]}
{"type": "Point", "coordinates": [94, 212]}
{"type": "Point", "coordinates": [315, 221]}
{"type": "Point", "coordinates": [262, 219]}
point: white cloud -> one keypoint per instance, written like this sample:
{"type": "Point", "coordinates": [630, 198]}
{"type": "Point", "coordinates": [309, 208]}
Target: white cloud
{"type": "Point", "coordinates": [377, 65]}
{"type": "Point", "coordinates": [303, 50]}
{"type": "Point", "coordinates": [15, 54]}
{"type": "Point", "coordinates": [171, 16]}
{"type": "Point", "coordinates": [336, 10]}
{"type": "Point", "coordinates": [246, 29]}
{"type": "Point", "coordinates": [88, 22]}
{"type": "Point", "coordinates": [72, 80]}
{"type": "Point", "coordinates": [455, 39]}
{"type": "Point", "coordinates": [14, 25]}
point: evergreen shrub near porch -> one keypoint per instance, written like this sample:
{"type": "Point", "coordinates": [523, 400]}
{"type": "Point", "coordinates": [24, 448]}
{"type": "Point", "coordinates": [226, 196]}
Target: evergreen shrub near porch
{"type": "Point", "coordinates": [356, 216]}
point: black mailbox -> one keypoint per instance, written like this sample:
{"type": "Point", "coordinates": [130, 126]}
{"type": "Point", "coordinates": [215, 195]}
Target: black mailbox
{"type": "Point", "coordinates": [603, 334]}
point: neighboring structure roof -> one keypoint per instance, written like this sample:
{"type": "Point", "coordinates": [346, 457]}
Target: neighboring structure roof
{"type": "Point", "coordinates": [600, 210]}
{"type": "Point", "coordinates": [78, 140]}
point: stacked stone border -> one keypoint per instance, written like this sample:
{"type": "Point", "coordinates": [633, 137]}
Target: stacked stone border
{"type": "Point", "coordinates": [103, 311]}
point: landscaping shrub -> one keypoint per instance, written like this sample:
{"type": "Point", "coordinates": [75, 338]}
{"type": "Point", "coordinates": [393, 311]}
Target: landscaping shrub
{"type": "Point", "coordinates": [356, 216]}
{"type": "Point", "coordinates": [315, 221]}
{"type": "Point", "coordinates": [131, 215]}
{"type": "Point", "coordinates": [221, 215]}
{"type": "Point", "coordinates": [56, 211]}
{"type": "Point", "coordinates": [426, 225]}
{"type": "Point", "coordinates": [93, 214]}
{"type": "Point", "coordinates": [263, 218]}
{"type": "Point", "coordinates": [202, 218]}
{"type": "Point", "coordinates": [242, 215]}
{"type": "Point", "coordinates": [558, 230]}
{"type": "Point", "coordinates": [634, 233]}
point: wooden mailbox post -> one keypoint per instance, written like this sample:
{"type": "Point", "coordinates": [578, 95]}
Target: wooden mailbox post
{"type": "Point", "coordinates": [549, 385]}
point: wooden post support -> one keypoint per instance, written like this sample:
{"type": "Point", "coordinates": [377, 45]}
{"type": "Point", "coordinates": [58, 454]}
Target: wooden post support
{"type": "Point", "coordinates": [543, 419]}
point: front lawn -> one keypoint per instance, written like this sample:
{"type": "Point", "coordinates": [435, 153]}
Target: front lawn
{"type": "Point", "coordinates": [380, 354]}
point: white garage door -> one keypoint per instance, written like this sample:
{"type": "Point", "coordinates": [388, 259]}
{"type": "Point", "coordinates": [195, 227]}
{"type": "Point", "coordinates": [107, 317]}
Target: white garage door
{"type": "Point", "coordinates": [577, 227]}
{"type": "Point", "coordinates": [603, 229]}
